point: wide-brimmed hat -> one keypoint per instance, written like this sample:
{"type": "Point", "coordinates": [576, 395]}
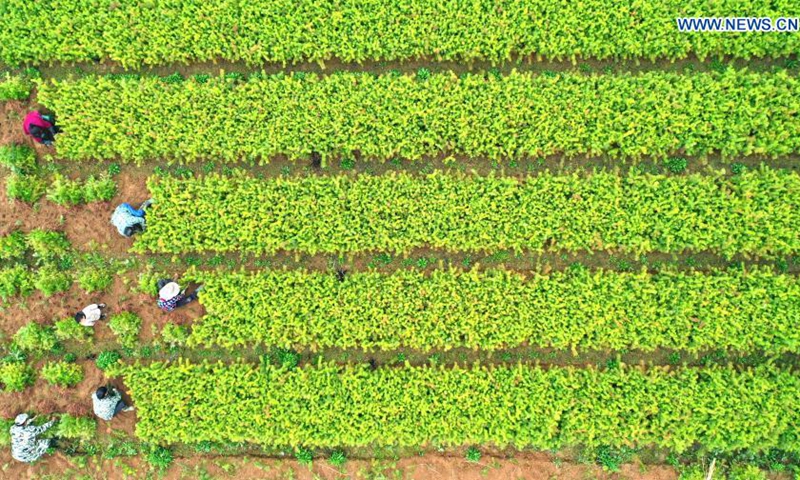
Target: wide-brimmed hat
{"type": "Point", "coordinates": [169, 291]}
{"type": "Point", "coordinates": [21, 419]}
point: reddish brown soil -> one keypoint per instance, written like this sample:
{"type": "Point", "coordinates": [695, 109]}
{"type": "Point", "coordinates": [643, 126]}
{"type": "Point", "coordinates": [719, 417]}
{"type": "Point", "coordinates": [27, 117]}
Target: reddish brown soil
{"type": "Point", "coordinates": [11, 116]}
{"type": "Point", "coordinates": [428, 467]}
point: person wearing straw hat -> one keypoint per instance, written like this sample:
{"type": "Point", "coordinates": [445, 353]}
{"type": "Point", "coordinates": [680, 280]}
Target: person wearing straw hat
{"type": "Point", "coordinates": [25, 444]}
{"type": "Point", "coordinates": [170, 295]}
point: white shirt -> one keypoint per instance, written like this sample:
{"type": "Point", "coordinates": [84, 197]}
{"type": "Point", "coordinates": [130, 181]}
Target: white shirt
{"type": "Point", "coordinates": [92, 313]}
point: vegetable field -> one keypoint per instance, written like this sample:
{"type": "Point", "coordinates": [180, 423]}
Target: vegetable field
{"type": "Point", "coordinates": [753, 213]}
{"type": "Point", "coordinates": [485, 115]}
{"type": "Point", "coordinates": [413, 239]}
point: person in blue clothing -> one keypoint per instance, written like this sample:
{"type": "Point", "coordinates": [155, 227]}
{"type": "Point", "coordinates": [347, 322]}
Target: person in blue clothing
{"type": "Point", "coordinates": [129, 220]}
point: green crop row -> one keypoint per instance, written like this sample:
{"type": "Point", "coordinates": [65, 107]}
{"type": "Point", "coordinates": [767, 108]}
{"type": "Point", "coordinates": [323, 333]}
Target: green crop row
{"type": "Point", "coordinates": [133, 33]}
{"type": "Point", "coordinates": [517, 115]}
{"type": "Point", "coordinates": [747, 311]}
{"type": "Point", "coordinates": [752, 213]}
{"type": "Point", "coordinates": [331, 406]}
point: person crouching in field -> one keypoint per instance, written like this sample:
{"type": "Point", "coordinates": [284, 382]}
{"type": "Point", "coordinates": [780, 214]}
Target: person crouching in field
{"type": "Point", "coordinates": [170, 295]}
{"type": "Point", "coordinates": [26, 446]}
{"type": "Point", "coordinates": [41, 127]}
{"type": "Point", "coordinates": [90, 315]}
{"type": "Point", "coordinates": [129, 220]}
{"type": "Point", "coordinates": [107, 402]}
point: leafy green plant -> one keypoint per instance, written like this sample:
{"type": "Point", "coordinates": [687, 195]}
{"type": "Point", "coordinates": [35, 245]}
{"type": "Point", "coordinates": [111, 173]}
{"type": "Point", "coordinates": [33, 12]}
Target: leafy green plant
{"type": "Point", "coordinates": [48, 245]}
{"type": "Point", "coordinates": [76, 428]}
{"type": "Point", "coordinates": [25, 188]}
{"type": "Point", "coordinates": [5, 431]}
{"type": "Point", "coordinates": [16, 280]}
{"type": "Point", "coordinates": [62, 374]}
{"type": "Point", "coordinates": [473, 455]}
{"type": "Point", "coordinates": [746, 472]}
{"type": "Point", "coordinates": [94, 278]}
{"type": "Point", "coordinates": [20, 159]}
{"type": "Point", "coordinates": [126, 327]}
{"type": "Point", "coordinates": [611, 458]}
{"type": "Point", "coordinates": [160, 457]}
{"type": "Point", "coordinates": [14, 87]}
{"type": "Point", "coordinates": [174, 335]}
{"type": "Point", "coordinates": [69, 329]}
{"type": "Point", "coordinates": [676, 164]}
{"type": "Point", "coordinates": [120, 448]}
{"type": "Point", "coordinates": [13, 246]}
{"type": "Point", "coordinates": [64, 191]}
{"type": "Point", "coordinates": [148, 281]}
{"type": "Point", "coordinates": [288, 358]}
{"type": "Point", "coordinates": [107, 359]}
{"type": "Point", "coordinates": [101, 189]}
{"type": "Point", "coordinates": [304, 456]}
{"type": "Point", "coordinates": [15, 377]}
{"type": "Point", "coordinates": [337, 458]}
{"type": "Point", "coordinates": [35, 338]}
{"type": "Point", "coordinates": [49, 280]}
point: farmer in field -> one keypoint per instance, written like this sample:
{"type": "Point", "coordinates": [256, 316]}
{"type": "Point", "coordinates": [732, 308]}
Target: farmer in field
{"type": "Point", "coordinates": [42, 128]}
{"type": "Point", "coordinates": [91, 314]}
{"type": "Point", "coordinates": [129, 220]}
{"type": "Point", "coordinates": [25, 444]}
{"type": "Point", "coordinates": [170, 295]}
{"type": "Point", "coordinates": [107, 402]}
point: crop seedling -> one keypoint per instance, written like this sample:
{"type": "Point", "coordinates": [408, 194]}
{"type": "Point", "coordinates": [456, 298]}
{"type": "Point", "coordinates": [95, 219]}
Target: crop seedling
{"type": "Point", "coordinates": [676, 164]}
{"type": "Point", "coordinates": [76, 428]}
{"type": "Point", "coordinates": [15, 377]}
{"type": "Point", "coordinates": [62, 374]}
{"type": "Point", "coordinates": [14, 87]}
{"type": "Point", "coordinates": [48, 246]}
{"type": "Point", "coordinates": [13, 246]}
{"type": "Point", "coordinates": [107, 359]}
{"type": "Point", "coordinates": [35, 338]}
{"type": "Point", "coordinates": [337, 458]}
{"type": "Point", "coordinates": [304, 456]}
{"type": "Point", "coordinates": [20, 159]}
{"type": "Point", "coordinates": [611, 458]}
{"type": "Point", "coordinates": [25, 188]}
{"type": "Point", "coordinates": [473, 455]}
{"type": "Point", "coordinates": [126, 327]}
{"type": "Point", "coordinates": [49, 280]}
{"type": "Point", "coordinates": [160, 457]}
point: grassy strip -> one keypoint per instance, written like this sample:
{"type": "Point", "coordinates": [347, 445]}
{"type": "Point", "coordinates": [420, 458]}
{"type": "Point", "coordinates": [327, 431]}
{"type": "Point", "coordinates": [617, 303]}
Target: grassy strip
{"type": "Point", "coordinates": [601, 310]}
{"type": "Point", "coordinates": [751, 213]}
{"type": "Point", "coordinates": [329, 406]}
{"type": "Point", "coordinates": [131, 33]}
{"type": "Point", "coordinates": [487, 116]}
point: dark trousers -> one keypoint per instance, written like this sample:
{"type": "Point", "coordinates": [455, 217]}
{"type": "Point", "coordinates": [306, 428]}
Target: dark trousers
{"type": "Point", "coordinates": [118, 408]}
